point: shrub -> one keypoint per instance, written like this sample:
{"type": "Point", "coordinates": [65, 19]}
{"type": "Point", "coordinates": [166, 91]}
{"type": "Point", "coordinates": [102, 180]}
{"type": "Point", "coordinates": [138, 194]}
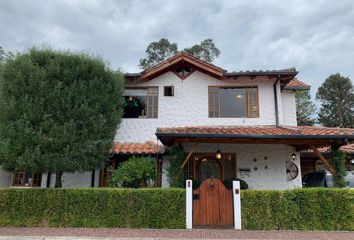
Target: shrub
{"type": "Point", "coordinates": [121, 208]}
{"type": "Point", "coordinates": [301, 209]}
{"type": "Point", "coordinates": [133, 173]}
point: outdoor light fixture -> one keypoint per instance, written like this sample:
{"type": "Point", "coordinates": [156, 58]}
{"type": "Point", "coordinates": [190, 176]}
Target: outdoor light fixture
{"type": "Point", "coordinates": [293, 156]}
{"type": "Point", "coordinates": [218, 154]}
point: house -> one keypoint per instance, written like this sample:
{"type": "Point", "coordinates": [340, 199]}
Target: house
{"type": "Point", "coordinates": [230, 125]}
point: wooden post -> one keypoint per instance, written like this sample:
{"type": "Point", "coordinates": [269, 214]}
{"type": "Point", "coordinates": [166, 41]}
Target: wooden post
{"type": "Point", "coordinates": [323, 160]}
{"type": "Point", "coordinates": [189, 155]}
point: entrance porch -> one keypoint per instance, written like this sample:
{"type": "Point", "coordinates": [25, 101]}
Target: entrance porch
{"type": "Point", "coordinates": [265, 157]}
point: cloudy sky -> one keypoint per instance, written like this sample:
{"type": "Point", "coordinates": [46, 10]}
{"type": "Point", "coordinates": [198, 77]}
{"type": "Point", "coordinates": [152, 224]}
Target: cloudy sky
{"type": "Point", "coordinates": [316, 37]}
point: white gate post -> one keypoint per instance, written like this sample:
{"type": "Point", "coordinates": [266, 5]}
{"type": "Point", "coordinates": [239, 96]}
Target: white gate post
{"type": "Point", "coordinates": [237, 204]}
{"type": "Point", "coordinates": [189, 204]}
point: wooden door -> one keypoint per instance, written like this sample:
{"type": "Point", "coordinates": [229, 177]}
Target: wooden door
{"type": "Point", "coordinates": [212, 205]}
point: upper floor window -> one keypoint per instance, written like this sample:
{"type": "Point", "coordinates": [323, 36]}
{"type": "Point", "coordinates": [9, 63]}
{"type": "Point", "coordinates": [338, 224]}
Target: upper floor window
{"type": "Point", "coordinates": [26, 179]}
{"type": "Point", "coordinates": [233, 102]}
{"type": "Point", "coordinates": [141, 102]}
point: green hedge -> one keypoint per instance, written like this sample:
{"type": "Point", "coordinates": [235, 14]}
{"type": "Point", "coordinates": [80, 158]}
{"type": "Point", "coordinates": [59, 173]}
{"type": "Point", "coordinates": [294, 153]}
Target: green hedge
{"type": "Point", "coordinates": [301, 209]}
{"type": "Point", "coordinates": [122, 208]}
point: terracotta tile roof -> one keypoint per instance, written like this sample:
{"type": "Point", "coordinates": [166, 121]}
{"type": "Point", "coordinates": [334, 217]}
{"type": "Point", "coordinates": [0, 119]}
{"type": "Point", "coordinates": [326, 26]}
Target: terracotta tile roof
{"type": "Point", "coordinates": [258, 131]}
{"type": "Point", "coordinates": [149, 147]}
{"type": "Point", "coordinates": [346, 148]}
{"type": "Point", "coordinates": [296, 84]}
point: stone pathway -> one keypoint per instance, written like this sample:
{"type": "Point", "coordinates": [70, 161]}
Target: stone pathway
{"type": "Point", "coordinates": [114, 233]}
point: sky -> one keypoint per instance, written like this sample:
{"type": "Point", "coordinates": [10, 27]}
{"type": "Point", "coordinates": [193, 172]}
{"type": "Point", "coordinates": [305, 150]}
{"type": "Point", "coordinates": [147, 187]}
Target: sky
{"type": "Point", "coordinates": [316, 37]}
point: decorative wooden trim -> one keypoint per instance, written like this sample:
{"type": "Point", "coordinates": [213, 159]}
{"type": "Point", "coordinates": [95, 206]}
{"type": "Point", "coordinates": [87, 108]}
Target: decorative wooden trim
{"type": "Point", "coordinates": [183, 77]}
{"type": "Point", "coordinates": [183, 57]}
{"type": "Point", "coordinates": [323, 160]}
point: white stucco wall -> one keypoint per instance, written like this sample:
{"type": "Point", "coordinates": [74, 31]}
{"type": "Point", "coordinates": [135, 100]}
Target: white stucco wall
{"type": "Point", "coordinates": [274, 177]}
{"type": "Point", "coordinates": [73, 180]}
{"type": "Point", "coordinates": [189, 106]}
{"type": "Point", "coordinates": [289, 108]}
{"type": "Point", "coordinates": [5, 178]}
{"type": "Point", "coordinates": [165, 166]}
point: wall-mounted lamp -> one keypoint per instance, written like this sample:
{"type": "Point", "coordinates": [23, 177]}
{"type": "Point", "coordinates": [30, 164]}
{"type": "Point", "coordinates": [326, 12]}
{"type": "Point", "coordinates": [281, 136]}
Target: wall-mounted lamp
{"type": "Point", "coordinates": [218, 154]}
{"type": "Point", "coordinates": [293, 156]}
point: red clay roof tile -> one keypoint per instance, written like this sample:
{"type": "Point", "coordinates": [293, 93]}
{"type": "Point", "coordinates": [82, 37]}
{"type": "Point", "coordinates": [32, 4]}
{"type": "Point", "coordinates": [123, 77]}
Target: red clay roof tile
{"type": "Point", "coordinates": [296, 84]}
{"type": "Point", "coordinates": [148, 147]}
{"type": "Point", "coordinates": [258, 130]}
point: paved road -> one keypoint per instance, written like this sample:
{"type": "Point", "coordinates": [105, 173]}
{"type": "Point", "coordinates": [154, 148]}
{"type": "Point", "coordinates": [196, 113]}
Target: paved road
{"type": "Point", "coordinates": [114, 233]}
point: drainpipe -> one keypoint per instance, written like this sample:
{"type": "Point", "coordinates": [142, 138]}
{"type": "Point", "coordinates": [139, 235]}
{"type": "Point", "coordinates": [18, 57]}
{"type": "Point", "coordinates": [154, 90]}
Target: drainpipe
{"type": "Point", "coordinates": [93, 178]}
{"type": "Point", "coordinates": [276, 100]}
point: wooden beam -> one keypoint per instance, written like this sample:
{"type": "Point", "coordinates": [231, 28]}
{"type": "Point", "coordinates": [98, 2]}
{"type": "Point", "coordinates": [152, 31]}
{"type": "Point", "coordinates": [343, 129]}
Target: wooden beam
{"type": "Point", "coordinates": [324, 142]}
{"type": "Point", "coordinates": [323, 160]}
{"type": "Point", "coordinates": [189, 154]}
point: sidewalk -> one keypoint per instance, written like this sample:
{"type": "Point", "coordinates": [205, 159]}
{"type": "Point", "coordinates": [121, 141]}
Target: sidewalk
{"type": "Point", "coordinates": [114, 233]}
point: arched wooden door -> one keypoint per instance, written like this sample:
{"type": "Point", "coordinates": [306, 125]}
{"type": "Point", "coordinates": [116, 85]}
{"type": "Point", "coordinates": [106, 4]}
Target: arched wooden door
{"type": "Point", "coordinates": [212, 205]}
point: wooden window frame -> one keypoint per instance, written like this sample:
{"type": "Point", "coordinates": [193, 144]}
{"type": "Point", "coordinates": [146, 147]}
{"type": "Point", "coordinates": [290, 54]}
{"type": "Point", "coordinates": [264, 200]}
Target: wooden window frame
{"type": "Point", "coordinates": [249, 112]}
{"type": "Point", "coordinates": [16, 180]}
{"type": "Point", "coordinates": [148, 104]}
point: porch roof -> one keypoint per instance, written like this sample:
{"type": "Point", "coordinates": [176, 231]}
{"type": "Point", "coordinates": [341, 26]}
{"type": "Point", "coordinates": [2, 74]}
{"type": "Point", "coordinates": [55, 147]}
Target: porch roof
{"type": "Point", "coordinates": [300, 136]}
{"type": "Point", "coordinates": [149, 147]}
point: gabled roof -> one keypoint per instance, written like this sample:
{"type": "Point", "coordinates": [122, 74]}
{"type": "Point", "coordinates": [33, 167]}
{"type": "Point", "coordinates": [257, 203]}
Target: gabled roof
{"type": "Point", "coordinates": [185, 58]}
{"type": "Point", "coordinates": [286, 76]}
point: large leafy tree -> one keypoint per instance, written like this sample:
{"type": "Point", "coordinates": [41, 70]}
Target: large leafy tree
{"type": "Point", "coordinates": [157, 52]}
{"type": "Point", "coordinates": [59, 111]}
{"type": "Point", "coordinates": [163, 49]}
{"type": "Point", "coordinates": [304, 108]}
{"type": "Point", "coordinates": [206, 50]}
{"type": "Point", "coordinates": [337, 102]}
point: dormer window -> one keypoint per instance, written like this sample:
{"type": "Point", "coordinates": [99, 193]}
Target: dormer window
{"type": "Point", "coordinates": [183, 72]}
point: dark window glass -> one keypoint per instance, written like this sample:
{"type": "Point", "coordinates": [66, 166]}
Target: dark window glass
{"type": "Point", "coordinates": [168, 91]}
{"type": "Point", "coordinates": [141, 103]}
{"type": "Point", "coordinates": [233, 102]}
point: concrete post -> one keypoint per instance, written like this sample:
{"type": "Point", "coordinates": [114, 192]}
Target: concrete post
{"type": "Point", "coordinates": [189, 204]}
{"type": "Point", "coordinates": [236, 190]}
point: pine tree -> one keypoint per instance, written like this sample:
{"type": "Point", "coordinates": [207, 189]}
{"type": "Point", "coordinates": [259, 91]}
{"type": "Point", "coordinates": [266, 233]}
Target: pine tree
{"type": "Point", "coordinates": [59, 111]}
{"type": "Point", "coordinates": [337, 102]}
{"type": "Point", "coordinates": [304, 108]}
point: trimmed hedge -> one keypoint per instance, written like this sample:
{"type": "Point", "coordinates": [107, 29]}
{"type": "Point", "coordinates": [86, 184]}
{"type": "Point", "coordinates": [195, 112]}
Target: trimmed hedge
{"type": "Point", "coordinates": [300, 209]}
{"type": "Point", "coordinates": [122, 208]}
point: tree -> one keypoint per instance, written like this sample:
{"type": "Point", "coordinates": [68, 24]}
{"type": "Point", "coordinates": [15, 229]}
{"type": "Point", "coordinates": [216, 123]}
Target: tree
{"type": "Point", "coordinates": [4, 55]}
{"type": "Point", "coordinates": [59, 111]}
{"type": "Point", "coordinates": [338, 162]}
{"type": "Point", "coordinates": [163, 49]}
{"type": "Point", "coordinates": [337, 102]}
{"type": "Point", "coordinates": [304, 108]}
{"type": "Point", "coordinates": [158, 52]}
{"type": "Point", "coordinates": [206, 50]}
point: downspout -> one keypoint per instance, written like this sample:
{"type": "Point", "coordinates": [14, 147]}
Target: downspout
{"type": "Point", "coordinates": [276, 100]}
{"type": "Point", "coordinates": [93, 178]}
